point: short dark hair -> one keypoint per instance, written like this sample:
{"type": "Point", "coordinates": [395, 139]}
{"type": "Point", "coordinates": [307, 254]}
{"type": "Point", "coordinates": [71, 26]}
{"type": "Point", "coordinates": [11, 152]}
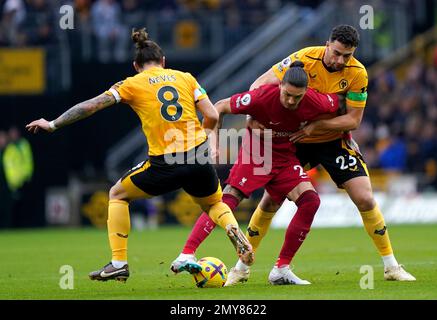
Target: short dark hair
{"type": "Point", "coordinates": [346, 35]}
{"type": "Point", "coordinates": [296, 75]}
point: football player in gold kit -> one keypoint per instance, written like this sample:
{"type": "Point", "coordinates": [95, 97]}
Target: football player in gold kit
{"type": "Point", "coordinates": [166, 101]}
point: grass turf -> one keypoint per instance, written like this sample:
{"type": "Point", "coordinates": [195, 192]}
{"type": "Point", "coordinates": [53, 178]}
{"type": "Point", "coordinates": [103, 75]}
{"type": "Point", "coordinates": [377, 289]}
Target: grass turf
{"type": "Point", "coordinates": [329, 258]}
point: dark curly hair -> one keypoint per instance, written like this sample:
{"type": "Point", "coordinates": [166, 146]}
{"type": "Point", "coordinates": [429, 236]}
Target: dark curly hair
{"type": "Point", "coordinates": [346, 35]}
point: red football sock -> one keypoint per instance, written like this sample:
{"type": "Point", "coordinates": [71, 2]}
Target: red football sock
{"type": "Point", "coordinates": [307, 205]}
{"type": "Point", "coordinates": [231, 201]}
{"type": "Point", "coordinates": [204, 225]}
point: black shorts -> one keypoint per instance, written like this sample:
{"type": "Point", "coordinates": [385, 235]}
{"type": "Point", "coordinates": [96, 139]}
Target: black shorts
{"type": "Point", "coordinates": [339, 160]}
{"type": "Point", "coordinates": [156, 177]}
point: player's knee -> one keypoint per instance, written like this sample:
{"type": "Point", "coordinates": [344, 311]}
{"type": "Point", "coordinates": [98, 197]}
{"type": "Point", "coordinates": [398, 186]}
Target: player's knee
{"type": "Point", "coordinates": [233, 192]}
{"type": "Point", "coordinates": [309, 199]}
{"type": "Point", "coordinates": [116, 193]}
{"type": "Point", "coordinates": [267, 204]}
{"type": "Point", "coordinates": [365, 202]}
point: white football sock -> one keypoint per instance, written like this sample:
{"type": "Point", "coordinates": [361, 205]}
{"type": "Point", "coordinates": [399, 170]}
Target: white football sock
{"type": "Point", "coordinates": [118, 264]}
{"type": "Point", "coordinates": [240, 266]}
{"type": "Point", "coordinates": [185, 256]}
{"type": "Point", "coordinates": [390, 261]}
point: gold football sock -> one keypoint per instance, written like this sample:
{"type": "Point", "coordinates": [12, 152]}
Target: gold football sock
{"type": "Point", "coordinates": [222, 215]}
{"type": "Point", "coordinates": [375, 227]}
{"type": "Point", "coordinates": [258, 226]}
{"type": "Point", "coordinates": [118, 228]}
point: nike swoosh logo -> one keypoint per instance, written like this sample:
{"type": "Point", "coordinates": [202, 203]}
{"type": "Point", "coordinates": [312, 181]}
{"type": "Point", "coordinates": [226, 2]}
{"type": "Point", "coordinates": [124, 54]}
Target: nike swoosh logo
{"type": "Point", "coordinates": [122, 235]}
{"type": "Point", "coordinates": [274, 123]}
{"type": "Point", "coordinates": [103, 274]}
{"type": "Point", "coordinates": [312, 76]}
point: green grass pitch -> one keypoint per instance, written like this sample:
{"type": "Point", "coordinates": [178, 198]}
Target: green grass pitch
{"type": "Point", "coordinates": [329, 258]}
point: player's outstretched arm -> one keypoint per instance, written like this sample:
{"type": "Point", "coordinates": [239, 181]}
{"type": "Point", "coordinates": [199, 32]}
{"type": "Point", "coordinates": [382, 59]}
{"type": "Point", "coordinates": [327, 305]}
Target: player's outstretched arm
{"type": "Point", "coordinates": [223, 107]}
{"type": "Point", "coordinates": [268, 77]}
{"type": "Point", "coordinates": [78, 112]}
{"type": "Point", "coordinates": [350, 121]}
{"type": "Point", "coordinates": [209, 113]}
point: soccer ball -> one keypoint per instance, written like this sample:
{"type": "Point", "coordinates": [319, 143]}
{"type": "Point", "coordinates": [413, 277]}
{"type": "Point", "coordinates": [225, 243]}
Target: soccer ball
{"type": "Point", "coordinates": [212, 275]}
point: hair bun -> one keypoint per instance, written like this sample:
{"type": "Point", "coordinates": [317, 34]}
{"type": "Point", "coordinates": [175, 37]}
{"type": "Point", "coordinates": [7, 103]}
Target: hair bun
{"type": "Point", "coordinates": [297, 63]}
{"type": "Point", "coordinates": [140, 37]}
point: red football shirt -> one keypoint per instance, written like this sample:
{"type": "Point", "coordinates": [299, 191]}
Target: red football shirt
{"type": "Point", "coordinates": [264, 105]}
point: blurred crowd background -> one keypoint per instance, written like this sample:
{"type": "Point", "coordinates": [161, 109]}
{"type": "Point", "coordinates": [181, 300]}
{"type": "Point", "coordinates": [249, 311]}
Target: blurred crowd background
{"type": "Point", "coordinates": [46, 68]}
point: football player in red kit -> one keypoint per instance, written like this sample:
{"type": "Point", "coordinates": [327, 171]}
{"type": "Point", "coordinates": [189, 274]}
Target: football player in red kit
{"type": "Point", "coordinates": [284, 109]}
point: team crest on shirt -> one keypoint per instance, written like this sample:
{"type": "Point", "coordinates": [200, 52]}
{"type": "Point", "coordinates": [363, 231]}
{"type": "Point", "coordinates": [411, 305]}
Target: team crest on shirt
{"type": "Point", "coordinates": [343, 83]}
{"type": "Point", "coordinates": [245, 100]}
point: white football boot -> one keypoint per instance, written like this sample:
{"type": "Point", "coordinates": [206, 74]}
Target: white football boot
{"type": "Point", "coordinates": [236, 276]}
{"type": "Point", "coordinates": [397, 273]}
{"type": "Point", "coordinates": [284, 276]}
{"type": "Point", "coordinates": [185, 262]}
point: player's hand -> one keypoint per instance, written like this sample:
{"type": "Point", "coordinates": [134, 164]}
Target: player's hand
{"type": "Point", "coordinates": [36, 125]}
{"type": "Point", "coordinates": [256, 126]}
{"type": "Point", "coordinates": [215, 153]}
{"type": "Point", "coordinates": [351, 143]}
{"type": "Point", "coordinates": [341, 104]}
{"type": "Point", "coordinates": [213, 144]}
{"type": "Point", "coordinates": [303, 133]}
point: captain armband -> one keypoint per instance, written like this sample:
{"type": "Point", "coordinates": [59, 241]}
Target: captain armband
{"type": "Point", "coordinates": [357, 96]}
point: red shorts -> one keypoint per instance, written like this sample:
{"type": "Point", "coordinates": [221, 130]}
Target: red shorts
{"type": "Point", "coordinates": [279, 181]}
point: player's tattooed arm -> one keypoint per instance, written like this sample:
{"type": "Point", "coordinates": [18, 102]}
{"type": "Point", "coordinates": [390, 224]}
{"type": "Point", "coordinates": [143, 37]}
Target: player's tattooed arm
{"type": "Point", "coordinates": [78, 112]}
{"type": "Point", "coordinates": [84, 109]}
